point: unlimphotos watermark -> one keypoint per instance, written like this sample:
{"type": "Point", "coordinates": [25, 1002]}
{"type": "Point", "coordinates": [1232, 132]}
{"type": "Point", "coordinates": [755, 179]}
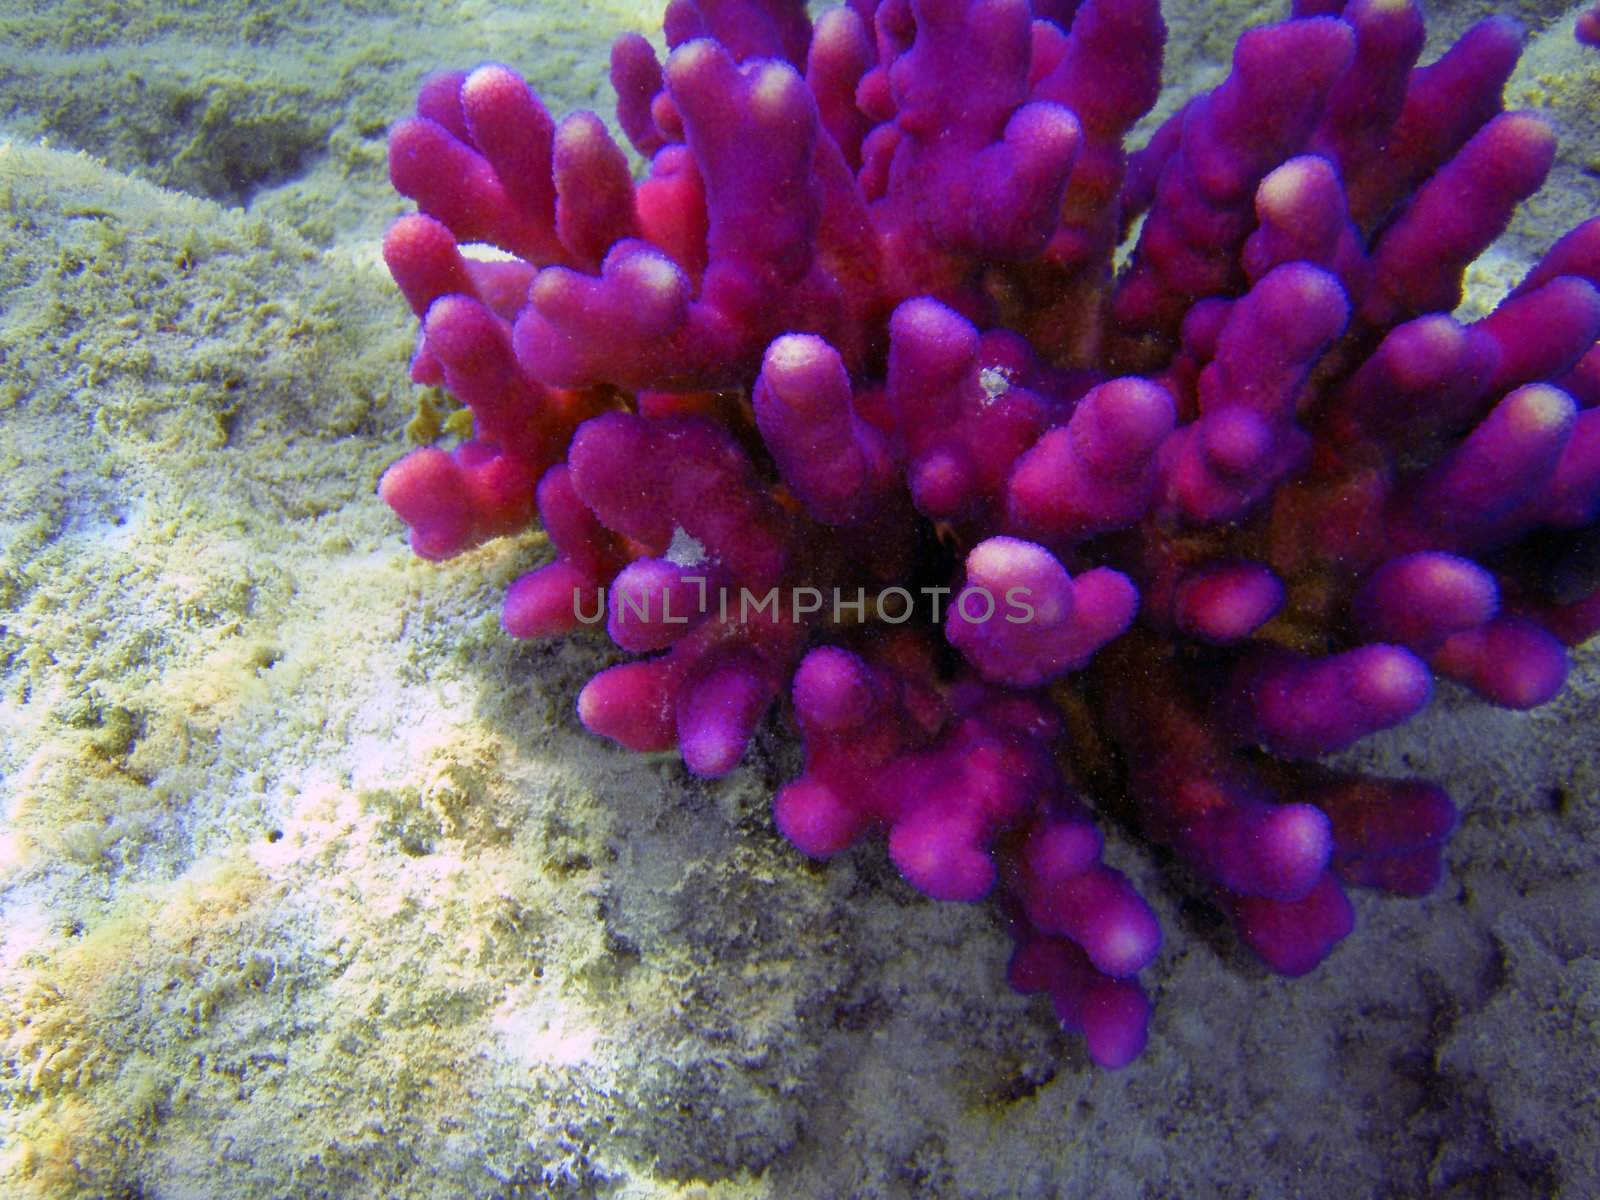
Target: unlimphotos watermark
{"type": "Point", "coordinates": [893, 605]}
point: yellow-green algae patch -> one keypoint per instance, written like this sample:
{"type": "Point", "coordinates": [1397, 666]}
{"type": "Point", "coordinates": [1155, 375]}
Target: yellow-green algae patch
{"type": "Point", "coordinates": [285, 866]}
{"type": "Point", "coordinates": [284, 105]}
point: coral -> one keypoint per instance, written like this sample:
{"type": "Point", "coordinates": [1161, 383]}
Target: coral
{"type": "Point", "coordinates": [844, 406]}
{"type": "Point", "coordinates": [1587, 29]}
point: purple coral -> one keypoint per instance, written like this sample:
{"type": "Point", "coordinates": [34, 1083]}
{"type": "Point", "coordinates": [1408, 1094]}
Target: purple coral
{"type": "Point", "coordinates": [1587, 30]}
{"type": "Point", "coordinates": [843, 406]}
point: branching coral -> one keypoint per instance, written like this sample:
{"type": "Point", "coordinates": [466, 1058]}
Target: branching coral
{"type": "Point", "coordinates": [843, 406]}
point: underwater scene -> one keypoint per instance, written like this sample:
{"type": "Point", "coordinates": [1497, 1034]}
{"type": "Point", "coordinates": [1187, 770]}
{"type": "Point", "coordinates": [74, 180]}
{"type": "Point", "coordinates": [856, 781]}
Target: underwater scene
{"type": "Point", "coordinates": [742, 600]}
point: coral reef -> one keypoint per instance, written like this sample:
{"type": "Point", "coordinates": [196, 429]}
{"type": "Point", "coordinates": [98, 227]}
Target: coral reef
{"type": "Point", "coordinates": [313, 883]}
{"type": "Point", "coordinates": [845, 405]}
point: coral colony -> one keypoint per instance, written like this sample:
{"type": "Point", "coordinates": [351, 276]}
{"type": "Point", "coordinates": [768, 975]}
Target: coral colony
{"type": "Point", "coordinates": [1588, 27]}
{"type": "Point", "coordinates": [843, 408]}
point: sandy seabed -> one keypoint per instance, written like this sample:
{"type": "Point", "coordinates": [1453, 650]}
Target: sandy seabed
{"type": "Point", "coordinates": [312, 885]}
